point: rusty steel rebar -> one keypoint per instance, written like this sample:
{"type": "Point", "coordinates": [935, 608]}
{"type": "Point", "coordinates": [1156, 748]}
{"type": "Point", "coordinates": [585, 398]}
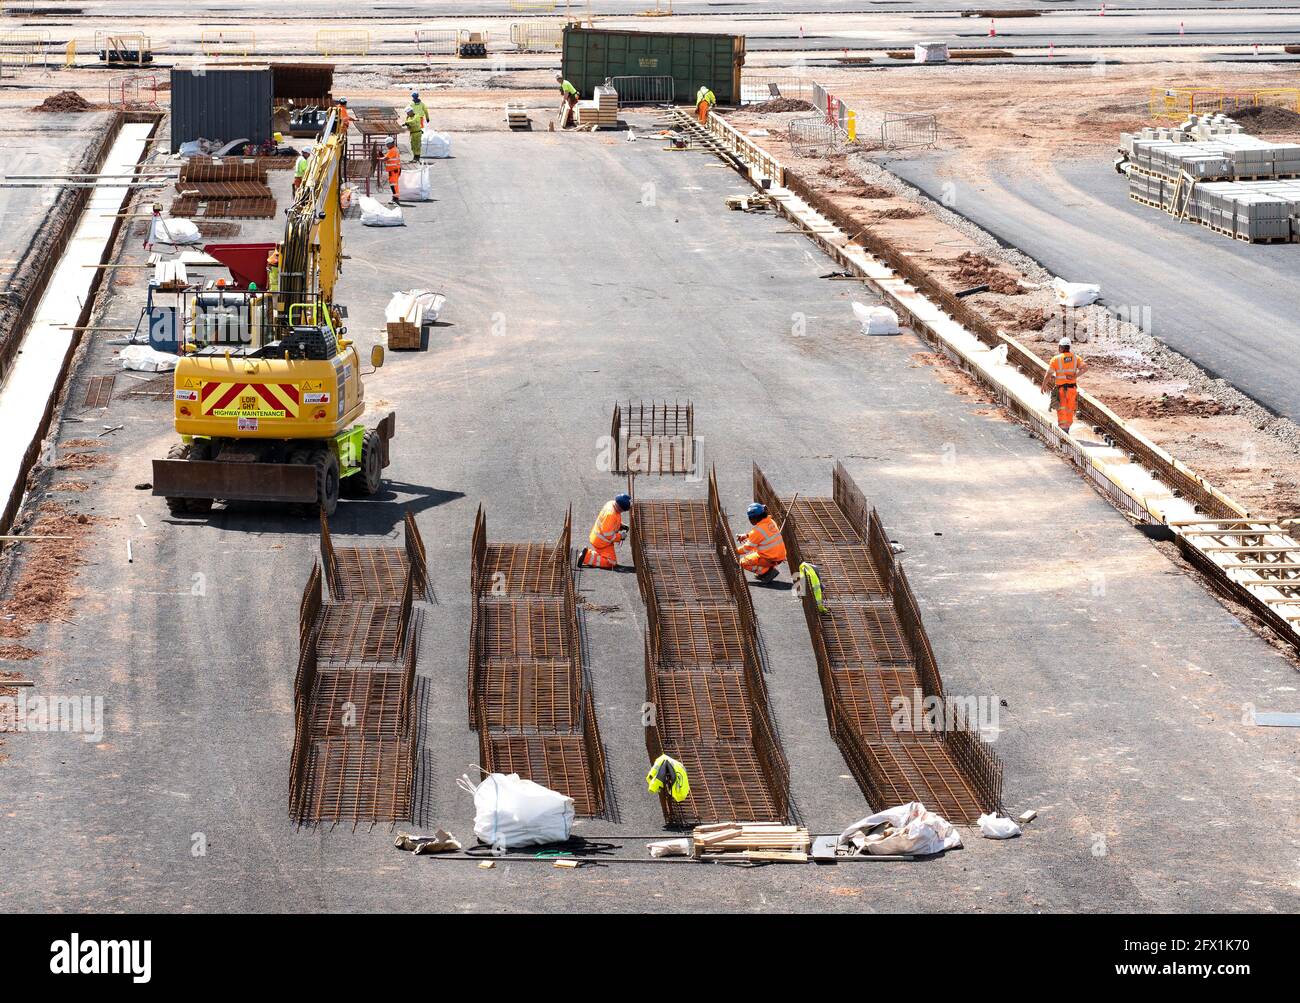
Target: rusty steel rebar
{"type": "Point", "coordinates": [528, 695]}
{"type": "Point", "coordinates": [872, 651]}
{"type": "Point", "coordinates": [703, 672]}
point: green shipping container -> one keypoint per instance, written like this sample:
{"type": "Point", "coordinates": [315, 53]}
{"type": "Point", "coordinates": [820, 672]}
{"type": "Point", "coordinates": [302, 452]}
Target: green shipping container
{"type": "Point", "coordinates": [591, 55]}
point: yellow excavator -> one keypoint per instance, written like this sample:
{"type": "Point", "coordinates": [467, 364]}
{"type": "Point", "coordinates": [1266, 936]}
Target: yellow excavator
{"type": "Point", "coordinates": [268, 390]}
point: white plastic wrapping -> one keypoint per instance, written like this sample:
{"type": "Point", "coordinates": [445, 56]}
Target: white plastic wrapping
{"type": "Point", "coordinates": [375, 214]}
{"type": "Point", "coordinates": [876, 319]}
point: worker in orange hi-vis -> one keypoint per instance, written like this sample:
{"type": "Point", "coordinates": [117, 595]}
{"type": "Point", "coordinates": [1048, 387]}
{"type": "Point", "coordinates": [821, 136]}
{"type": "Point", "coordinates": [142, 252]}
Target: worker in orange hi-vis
{"type": "Point", "coordinates": [344, 117]}
{"type": "Point", "coordinates": [605, 534]}
{"type": "Point", "coordinates": [761, 549]}
{"type": "Point", "coordinates": [393, 165]}
{"type": "Point", "coordinates": [1062, 381]}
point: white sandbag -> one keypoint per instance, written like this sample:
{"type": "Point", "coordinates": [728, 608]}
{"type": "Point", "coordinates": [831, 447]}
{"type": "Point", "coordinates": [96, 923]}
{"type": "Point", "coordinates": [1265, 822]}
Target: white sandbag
{"type": "Point", "coordinates": [173, 231]}
{"type": "Point", "coordinates": [914, 830]}
{"type": "Point", "coordinates": [374, 213]}
{"type": "Point", "coordinates": [510, 811]}
{"type": "Point", "coordinates": [143, 359]}
{"type": "Point", "coordinates": [1075, 293]}
{"type": "Point", "coordinates": [993, 827]}
{"type": "Point", "coordinates": [876, 319]}
{"type": "Point", "coordinates": [416, 184]}
{"type": "Point", "coordinates": [435, 145]}
{"type": "Point", "coordinates": [670, 848]}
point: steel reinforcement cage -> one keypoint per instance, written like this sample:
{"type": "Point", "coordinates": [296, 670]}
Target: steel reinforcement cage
{"type": "Point", "coordinates": [952, 770]}
{"type": "Point", "coordinates": [653, 438]}
{"type": "Point", "coordinates": [703, 665]}
{"type": "Point", "coordinates": [355, 735]}
{"type": "Point", "coordinates": [530, 699]}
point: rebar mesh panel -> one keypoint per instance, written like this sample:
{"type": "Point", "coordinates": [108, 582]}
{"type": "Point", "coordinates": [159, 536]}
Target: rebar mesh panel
{"type": "Point", "coordinates": [540, 695]}
{"type": "Point", "coordinates": [357, 780]}
{"type": "Point", "coordinates": [362, 632]}
{"type": "Point", "coordinates": [99, 390]}
{"type": "Point", "coordinates": [674, 523]}
{"type": "Point", "coordinates": [357, 702]}
{"type": "Point", "coordinates": [521, 568]}
{"type": "Point", "coordinates": [702, 704]}
{"type": "Point", "coordinates": [531, 629]}
{"type": "Point", "coordinates": [858, 635]}
{"type": "Point", "coordinates": [727, 783]}
{"type": "Point", "coordinates": [820, 520]}
{"type": "Point", "coordinates": [679, 579]}
{"type": "Point", "coordinates": [864, 699]}
{"type": "Point", "coordinates": [845, 570]}
{"type": "Point", "coordinates": [917, 767]}
{"type": "Point", "coordinates": [695, 635]}
{"type": "Point", "coordinates": [369, 574]}
{"type": "Point", "coordinates": [555, 761]}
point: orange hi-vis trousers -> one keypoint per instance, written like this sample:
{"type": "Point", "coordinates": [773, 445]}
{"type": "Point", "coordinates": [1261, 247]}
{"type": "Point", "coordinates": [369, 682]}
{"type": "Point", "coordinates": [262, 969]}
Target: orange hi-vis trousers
{"type": "Point", "coordinates": [756, 564]}
{"type": "Point", "coordinates": [702, 112]}
{"type": "Point", "coordinates": [600, 555]}
{"type": "Point", "coordinates": [1067, 400]}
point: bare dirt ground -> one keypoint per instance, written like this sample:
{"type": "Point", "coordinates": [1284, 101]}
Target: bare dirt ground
{"type": "Point", "coordinates": [1253, 456]}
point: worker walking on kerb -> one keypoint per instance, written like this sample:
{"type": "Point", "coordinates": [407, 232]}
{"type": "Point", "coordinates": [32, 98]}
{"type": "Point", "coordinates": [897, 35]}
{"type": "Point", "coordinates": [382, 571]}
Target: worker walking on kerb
{"type": "Point", "coordinates": [667, 774]}
{"type": "Point", "coordinates": [1062, 380]}
{"type": "Point", "coordinates": [761, 549]}
{"type": "Point", "coordinates": [705, 99]}
{"type": "Point", "coordinates": [607, 532]}
{"type": "Point", "coordinates": [569, 95]}
{"type": "Point", "coordinates": [393, 165]}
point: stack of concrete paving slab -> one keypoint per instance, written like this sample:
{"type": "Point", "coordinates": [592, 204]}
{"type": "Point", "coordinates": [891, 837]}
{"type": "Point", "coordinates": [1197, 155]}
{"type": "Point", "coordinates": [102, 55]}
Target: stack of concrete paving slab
{"type": "Point", "coordinates": [1209, 171]}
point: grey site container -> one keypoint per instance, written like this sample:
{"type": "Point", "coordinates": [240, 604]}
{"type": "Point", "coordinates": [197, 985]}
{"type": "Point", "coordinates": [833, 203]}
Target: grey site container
{"type": "Point", "coordinates": [221, 104]}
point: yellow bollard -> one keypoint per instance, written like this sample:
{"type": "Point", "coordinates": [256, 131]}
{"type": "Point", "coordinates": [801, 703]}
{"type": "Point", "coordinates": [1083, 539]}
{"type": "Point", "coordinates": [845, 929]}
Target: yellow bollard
{"type": "Point", "coordinates": [853, 126]}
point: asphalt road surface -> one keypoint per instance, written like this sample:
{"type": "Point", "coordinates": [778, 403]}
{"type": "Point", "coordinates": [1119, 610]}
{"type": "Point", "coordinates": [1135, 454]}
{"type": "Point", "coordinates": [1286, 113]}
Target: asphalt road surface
{"type": "Point", "coordinates": [582, 270]}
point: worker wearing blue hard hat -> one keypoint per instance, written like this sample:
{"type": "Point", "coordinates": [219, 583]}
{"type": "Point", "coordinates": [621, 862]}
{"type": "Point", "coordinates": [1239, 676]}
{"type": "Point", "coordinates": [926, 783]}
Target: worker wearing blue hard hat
{"type": "Point", "coordinates": [606, 533]}
{"type": "Point", "coordinates": [761, 550]}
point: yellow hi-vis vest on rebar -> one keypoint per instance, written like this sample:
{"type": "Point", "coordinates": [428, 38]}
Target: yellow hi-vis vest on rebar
{"type": "Point", "coordinates": [810, 581]}
{"type": "Point", "coordinates": [668, 772]}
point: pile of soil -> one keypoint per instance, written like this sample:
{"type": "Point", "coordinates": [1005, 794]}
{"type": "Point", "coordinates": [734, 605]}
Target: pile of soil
{"type": "Point", "coordinates": [898, 212]}
{"type": "Point", "coordinates": [1267, 118]}
{"type": "Point", "coordinates": [869, 192]}
{"type": "Point", "coordinates": [780, 104]}
{"type": "Point", "coordinates": [976, 270]}
{"type": "Point", "coordinates": [1167, 406]}
{"type": "Point", "coordinates": [43, 589]}
{"type": "Point", "coordinates": [1033, 319]}
{"type": "Point", "coordinates": [64, 101]}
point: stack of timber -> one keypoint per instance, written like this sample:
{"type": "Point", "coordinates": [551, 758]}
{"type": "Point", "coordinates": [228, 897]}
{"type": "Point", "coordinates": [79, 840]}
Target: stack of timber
{"type": "Point", "coordinates": [753, 841]}
{"type": "Point", "coordinates": [602, 111]}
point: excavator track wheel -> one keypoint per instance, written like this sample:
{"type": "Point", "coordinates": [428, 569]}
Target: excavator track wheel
{"type": "Point", "coordinates": [372, 463]}
{"type": "Point", "coordinates": [184, 506]}
{"type": "Point", "coordinates": [327, 480]}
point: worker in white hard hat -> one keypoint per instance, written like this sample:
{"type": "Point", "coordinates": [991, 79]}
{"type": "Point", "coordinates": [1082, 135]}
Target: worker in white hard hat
{"type": "Point", "coordinates": [1062, 380]}
{"type": "Point", "coordinates": [300, 167]}
{"type": "Point", "coordinates": [569, 95]}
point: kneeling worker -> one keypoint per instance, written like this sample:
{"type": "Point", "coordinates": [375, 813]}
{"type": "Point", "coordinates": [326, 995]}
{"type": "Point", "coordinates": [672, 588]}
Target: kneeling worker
{"type": "Point", "coordinates": [761, 549]}
{"type": "Point", "coordinates": [1062, 381]}
{"type": "Point", "coordinates": [605, 534]}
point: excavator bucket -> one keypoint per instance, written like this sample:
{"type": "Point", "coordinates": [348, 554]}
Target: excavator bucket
{"type": "Point", "coordinates": [260, 482]}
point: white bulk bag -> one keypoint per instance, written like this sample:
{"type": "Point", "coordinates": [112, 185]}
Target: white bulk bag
{"type": "Point", "coordinates": [375, 214]}
{"type": "Point", "coordinates": [435, 145]}
{"type": "Point", "coordinates": [173, 231]}
{"type": "Point", "coordinates": [416, 184]}
{"type": "Point", "coordinates": [144, 359]}
{"type": "Point", "coordinates": [1075, 293]}
{"type": "Point", "coordinates": [876, 319]}
{"type": "Point", "coordinates": [510, 811]}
